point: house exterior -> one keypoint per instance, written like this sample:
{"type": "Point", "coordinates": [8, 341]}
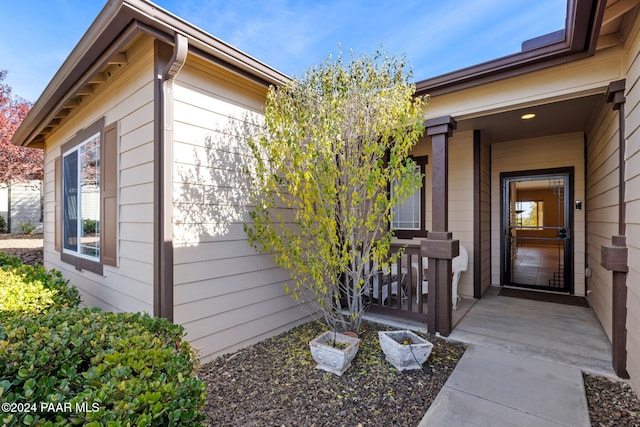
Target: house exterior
{"type": "Point", "coordinates": [167, 109]}
{"type": "Point", "coordinates": [144, 130]}
{"type": "Point", "coordinates": [583, 85]}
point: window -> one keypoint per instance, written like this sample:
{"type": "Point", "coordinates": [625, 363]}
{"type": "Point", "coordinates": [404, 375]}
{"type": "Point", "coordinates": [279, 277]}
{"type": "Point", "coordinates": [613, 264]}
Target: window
{"type": "Point", "coordinates": [408, 217]}
{"type": "Point", "coordinates": [529, 214]}
{"type": "Point", "coordinates": [86, 206]}
{"type": "Point", "coordinates": [81, 199]}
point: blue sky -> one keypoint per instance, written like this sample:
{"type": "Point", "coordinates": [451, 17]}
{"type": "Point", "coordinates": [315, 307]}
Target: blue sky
{"type": "Point", "coordinates": [437, 36]}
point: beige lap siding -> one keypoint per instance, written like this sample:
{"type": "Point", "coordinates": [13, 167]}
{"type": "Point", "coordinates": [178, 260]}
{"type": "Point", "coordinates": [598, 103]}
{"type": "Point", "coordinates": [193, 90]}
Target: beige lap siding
{"type": "Point", "coordinates": [126, 99]}
{"type": "Point", "coordinates": [225, 294]}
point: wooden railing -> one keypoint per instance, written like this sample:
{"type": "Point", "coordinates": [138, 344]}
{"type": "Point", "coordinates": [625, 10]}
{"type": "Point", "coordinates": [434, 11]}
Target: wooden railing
{"type": "Point", "coordinates": [404, 287]}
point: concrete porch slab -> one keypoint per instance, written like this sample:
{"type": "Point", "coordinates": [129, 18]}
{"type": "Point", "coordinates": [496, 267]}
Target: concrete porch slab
{"type": "Point", "coordinates": [560, 333]}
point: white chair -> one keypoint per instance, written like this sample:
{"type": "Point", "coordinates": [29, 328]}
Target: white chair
{"type": "Point", "coordinates": [458, 265]}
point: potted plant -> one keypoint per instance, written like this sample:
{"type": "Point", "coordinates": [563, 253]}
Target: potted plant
{"type": "Point", "coordinates": [333, 351]}
{"type": "Point", "coordinates": [404, 349]}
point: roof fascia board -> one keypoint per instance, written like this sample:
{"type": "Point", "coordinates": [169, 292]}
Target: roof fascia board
{"type": "Point", "coordinates": [76, 80]}
{"type": "Point", "coordinates": [63, 80]}
{"type": "Point", "coordinates": [581, 32]}
{"type": "Point", "coordinates": [101, 37]}
{"type": "Point", "coordinates": [156, 17]}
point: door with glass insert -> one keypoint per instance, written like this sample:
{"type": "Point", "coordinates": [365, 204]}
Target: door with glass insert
{"type": "Point", "coordinates": [537, 231]}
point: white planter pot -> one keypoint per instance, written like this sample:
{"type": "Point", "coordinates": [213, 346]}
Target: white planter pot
{"type": "Point", "coordinates": [329, 358]}
{"type": "Point", "coordinates": [404, 356]}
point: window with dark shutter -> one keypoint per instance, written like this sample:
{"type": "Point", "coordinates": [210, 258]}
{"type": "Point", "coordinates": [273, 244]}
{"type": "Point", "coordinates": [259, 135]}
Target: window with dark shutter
{"type": "Point", "coordinates": [86, 198]}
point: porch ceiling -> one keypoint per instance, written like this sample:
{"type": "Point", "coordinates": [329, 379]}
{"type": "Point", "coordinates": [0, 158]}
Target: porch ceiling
{"type": "Point", "coordinates": [567, 116]}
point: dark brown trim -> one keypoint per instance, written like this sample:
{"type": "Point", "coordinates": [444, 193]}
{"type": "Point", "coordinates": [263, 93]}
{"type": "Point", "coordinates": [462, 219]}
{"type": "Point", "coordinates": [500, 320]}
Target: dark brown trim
{"type": "Point", "coordinates": [55, 97]}
{"type": "Point", "coordinates": [82, 263]}
{"type": "Point", "coordinates": [115, 26]}
{"type": "Point", "coordinates": [439, 246]}
{"type": "Point", "coordinates": [109, 196]}
{"type": "Point", "coordinates": [440, 129]}
{"type": "Point", "coordinates": [477, 214]}
{"type": "Point", "coordinates": [586, 211]}
{"type": "Point", "coordinates": [83, 134]}
{"type": "Point", "coordinates": [569, 254]}
{"type": "Point", "coordinates": [615, 96]}
{"type": "Point", "coordinates": [614, 257]}
{"type": "Point", "coordinates": [162, 251]}
{"type": "Point", "coordinates": [422, 161]}
{"type": "Point", "coordinates": [57, 210]}
{"type": "Point", "coordinates": [544, 40]}
{"type": "Point", "coordinates": [584, 18]}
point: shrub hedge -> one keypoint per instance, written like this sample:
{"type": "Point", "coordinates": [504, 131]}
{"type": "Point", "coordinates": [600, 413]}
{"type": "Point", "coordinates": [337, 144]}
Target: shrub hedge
{"type": "Point", "coordinates": [32, 289]}
{"type": "Point", "coordinates": [107, 368]}
{"type": "Point", "coordinates": [61, 365]}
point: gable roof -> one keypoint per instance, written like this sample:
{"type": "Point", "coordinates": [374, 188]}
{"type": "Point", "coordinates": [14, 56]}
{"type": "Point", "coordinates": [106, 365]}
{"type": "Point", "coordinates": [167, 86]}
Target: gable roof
{"type": "Point", "coordinates": [101, 46]}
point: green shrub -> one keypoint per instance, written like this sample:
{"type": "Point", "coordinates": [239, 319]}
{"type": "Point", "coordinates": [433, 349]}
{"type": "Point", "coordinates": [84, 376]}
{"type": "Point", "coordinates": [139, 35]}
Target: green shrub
{"type": "Point", "coordinates": [3, 225]}
{"type": "Point", "coordinates": [20, 295]}
{"type": "Point", "coordinates": [127, 369]}
{"type": "Point", "coordinates": [26, 228]}
{"type": "Point", "coordinates": [32, 288]}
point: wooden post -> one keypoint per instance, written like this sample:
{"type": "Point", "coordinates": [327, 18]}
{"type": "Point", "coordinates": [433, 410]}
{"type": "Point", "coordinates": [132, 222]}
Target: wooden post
{"type": "Point", "coordinates": [439, 246]}
{"type": "Point", "coordinates": [614, 258]}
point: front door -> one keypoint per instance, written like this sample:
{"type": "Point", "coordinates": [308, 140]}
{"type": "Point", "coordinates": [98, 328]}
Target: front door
{"type": "Point", "coordinates": [537, 250]}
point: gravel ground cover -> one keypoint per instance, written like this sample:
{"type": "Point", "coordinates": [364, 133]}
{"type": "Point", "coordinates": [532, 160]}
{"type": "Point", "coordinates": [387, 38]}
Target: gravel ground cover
{"type": "Point", "coordinates": [26, 246]}
{"type": "Point", "coordinates": [611, 403]}
{"type": "Point", "coordinates": [275, 381]}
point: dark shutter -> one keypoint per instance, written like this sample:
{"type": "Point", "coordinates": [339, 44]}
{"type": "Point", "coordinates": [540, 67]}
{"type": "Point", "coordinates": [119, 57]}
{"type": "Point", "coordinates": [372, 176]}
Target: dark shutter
{"type": "Point", "coordinates": [57, 213]}
{"type": "Point", "coordinates": [109, 192]}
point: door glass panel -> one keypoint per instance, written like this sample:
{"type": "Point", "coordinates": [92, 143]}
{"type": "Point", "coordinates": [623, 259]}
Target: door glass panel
{"type": "Point", "coordinates": [537, 232]}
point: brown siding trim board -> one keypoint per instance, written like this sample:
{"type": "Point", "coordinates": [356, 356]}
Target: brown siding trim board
{"type": "Point", "coordinates": [477, 211]}
{"type": "Point", "coordinates": [614, 256]}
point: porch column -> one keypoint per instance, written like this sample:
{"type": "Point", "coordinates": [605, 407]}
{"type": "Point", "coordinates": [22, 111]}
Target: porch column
{"type": "Point", "coordinates": [439, 245]}
{"type": "Point", "coordinates": [614, 257]}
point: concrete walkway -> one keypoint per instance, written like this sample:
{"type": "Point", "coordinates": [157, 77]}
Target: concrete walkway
{"type": "Point", "coordinates": [523, 367]}
{"type": "Point", "coordinates": [494, 388]}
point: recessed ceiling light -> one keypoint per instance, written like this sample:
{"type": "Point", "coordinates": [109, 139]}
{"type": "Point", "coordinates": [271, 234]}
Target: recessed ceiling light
{"type": "Point", "coordinates": [527, 116]}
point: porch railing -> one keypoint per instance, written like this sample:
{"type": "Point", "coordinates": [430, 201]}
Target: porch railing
{"type": "Point", "coordinates": [401, 291]}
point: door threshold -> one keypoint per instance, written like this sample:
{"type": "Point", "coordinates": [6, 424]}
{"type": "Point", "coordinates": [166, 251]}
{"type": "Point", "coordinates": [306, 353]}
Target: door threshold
{"type": "Point", "coordinates": [542, 291]}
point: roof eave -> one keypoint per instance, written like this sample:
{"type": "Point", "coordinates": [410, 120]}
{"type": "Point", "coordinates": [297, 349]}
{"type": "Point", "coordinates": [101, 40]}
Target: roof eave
{"type": "Point", "coordinates": [114, 19]}
{"type": "Point", "coordinates": [584, 18]}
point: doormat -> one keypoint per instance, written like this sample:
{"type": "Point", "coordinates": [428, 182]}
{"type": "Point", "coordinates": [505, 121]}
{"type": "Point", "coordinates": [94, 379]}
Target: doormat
{"type": "Point", "coordinates": [544, 296]}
